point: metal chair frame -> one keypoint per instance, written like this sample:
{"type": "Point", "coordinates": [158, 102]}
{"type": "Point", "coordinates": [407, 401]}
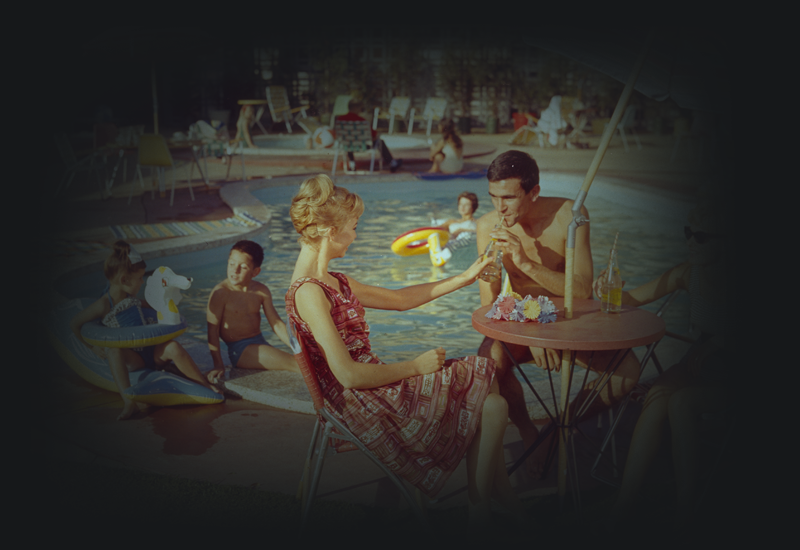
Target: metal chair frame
{"type": "Point", "coordinates": [333, 429]}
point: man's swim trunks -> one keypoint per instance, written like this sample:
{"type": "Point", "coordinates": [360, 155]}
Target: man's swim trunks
{"type": "Point", "coordinates": [235, 349]}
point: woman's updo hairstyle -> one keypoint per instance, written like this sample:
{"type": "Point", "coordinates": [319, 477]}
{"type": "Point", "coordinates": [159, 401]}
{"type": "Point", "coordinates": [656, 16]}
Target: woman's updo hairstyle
{"type": "Point", "coordinates": [119, 262]}
{"type": "Point", "coordinates": [320, 205]}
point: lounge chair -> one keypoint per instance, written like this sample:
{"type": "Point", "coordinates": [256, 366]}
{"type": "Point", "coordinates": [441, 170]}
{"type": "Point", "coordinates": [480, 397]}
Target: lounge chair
{"type": "Point", "coordinates": [340, 107]}
{"type": "Point", "coordinates": [332, 428]}
{"type": "Point", "coordinates": [529, 128]}
{"type": "Point", "coordinates": [435, 108]}
{"type": "Point", "coordinates": [280, 109]}
{"type": "Point", "coordinates": [398, 107]}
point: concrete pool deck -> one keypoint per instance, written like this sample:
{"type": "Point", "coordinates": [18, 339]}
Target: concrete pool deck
{"type": "Point", "coordinates": [199, 442]}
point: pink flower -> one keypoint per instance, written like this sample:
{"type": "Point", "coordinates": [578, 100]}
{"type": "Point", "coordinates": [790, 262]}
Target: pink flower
{"type": "Point", "coordinates": [507, 305]}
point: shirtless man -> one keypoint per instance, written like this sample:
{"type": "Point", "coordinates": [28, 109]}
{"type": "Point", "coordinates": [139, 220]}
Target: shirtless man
{"type": "Point", "coordinates": [234, 314]}
{"type": "Point", "coordinates": [533, 238]}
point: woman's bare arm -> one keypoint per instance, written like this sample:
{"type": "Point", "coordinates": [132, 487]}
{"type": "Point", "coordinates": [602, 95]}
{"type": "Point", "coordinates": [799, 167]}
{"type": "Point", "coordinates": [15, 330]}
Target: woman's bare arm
{"type": "Point", "coordinates": [314, 308]}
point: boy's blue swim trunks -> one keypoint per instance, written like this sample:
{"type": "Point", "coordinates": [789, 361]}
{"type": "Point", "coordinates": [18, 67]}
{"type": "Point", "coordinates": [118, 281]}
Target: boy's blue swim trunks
{"type": "Point", "coordinates": [235, 349]}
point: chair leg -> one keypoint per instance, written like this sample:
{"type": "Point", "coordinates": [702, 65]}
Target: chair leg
{"type": "Point", "coordinates": [335, 159]}
{"type": "Point", "coordinates": [241, 152]}
{"type": "Point", "coordinates": [312, 490]}
{"type": "Point", "coordinates": [305, 479]}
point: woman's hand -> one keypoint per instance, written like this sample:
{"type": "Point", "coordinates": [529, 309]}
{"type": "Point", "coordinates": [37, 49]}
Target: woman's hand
{"type": "Point", "coordinates": [471, 274]}
{"type": "Point", "coordinates": [510, 244]}
{"type": "Point", "coordinates": [430, 361]}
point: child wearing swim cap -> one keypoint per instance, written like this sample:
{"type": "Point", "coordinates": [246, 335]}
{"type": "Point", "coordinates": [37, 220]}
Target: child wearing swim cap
{"type": "Point", "coordinates": [119, 307]}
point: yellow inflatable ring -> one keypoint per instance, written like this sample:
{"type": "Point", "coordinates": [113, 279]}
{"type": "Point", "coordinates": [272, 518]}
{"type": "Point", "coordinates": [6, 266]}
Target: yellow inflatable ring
{"type": "Point", "coordinates": [416, 241]}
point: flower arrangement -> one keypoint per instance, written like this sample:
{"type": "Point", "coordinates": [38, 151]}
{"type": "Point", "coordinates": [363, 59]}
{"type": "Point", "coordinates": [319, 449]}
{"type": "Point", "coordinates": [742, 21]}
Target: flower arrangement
{"type": "Point", "coordinates": [512, 307]}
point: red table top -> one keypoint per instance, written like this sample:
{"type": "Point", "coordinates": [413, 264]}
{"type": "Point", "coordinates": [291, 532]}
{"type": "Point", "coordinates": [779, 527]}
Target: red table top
{"type": "Point", "coordinates": [589, 328]}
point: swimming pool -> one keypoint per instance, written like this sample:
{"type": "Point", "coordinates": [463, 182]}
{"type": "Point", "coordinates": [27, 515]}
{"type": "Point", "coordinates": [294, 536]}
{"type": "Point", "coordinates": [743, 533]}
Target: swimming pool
{"type": "Point", "coordinates": [651, 240]}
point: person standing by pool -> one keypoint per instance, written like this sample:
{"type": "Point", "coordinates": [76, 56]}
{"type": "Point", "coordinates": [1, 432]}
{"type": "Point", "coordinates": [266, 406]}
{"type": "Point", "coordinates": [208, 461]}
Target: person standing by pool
{"type": "Point", "coordinates": [234, 314]}
{"type": "Point", "coordinates": [354, 107]}
{"type": "Point", "coordinates": [532, 236]}
{"type": "Point", "coordinates": [447, 154]}
{"type": "Point", "coordinates": [420, 416]}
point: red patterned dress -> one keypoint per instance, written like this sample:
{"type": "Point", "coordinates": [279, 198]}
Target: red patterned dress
{"type": "Point", "coordinates": [420, 426]}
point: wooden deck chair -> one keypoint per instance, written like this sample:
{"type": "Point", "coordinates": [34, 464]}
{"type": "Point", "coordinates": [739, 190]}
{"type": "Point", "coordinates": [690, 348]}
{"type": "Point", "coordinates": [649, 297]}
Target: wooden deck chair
{"type": "Point", "coordinates": [340, 107]}
{"type": "Point", "coordinates": [73, 165]}
{"type": "Point", "coordinates": [435, 108]}
{"type": "Point", "coordinates": [628, 122]}
{"type": "Point", "coordinates": [397, 108]}
{"type": "Point", "coordinates": [353, 136]}
{"type": "Point", "coordinates": [332, 428]}
{"type": "Point", "coordinates": [614, 418]}
{"type": "Point", "coordinates": [154, 152]}
{"type": "Point", "coordinates": [279, 107]}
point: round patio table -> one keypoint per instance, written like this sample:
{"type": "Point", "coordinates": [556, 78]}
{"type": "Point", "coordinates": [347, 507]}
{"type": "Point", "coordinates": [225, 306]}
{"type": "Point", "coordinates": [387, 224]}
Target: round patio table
{"type": "Point", "coordinates": [589, 329]}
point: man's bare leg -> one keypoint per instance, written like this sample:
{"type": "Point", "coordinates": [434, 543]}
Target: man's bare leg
{"type": "Point", "coordinates": [259, 356]}
{"type": "Point", "coordinates": [511, 389]}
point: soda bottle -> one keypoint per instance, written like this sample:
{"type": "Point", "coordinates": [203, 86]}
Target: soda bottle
{"type": "Point", "coordinates": [611, 287]}
{"type": "Point", "coordinates": [493, 270]}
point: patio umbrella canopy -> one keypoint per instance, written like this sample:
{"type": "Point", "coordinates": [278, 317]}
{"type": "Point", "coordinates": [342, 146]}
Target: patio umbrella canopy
{"type": "Point", "coordinates": [691, 69]}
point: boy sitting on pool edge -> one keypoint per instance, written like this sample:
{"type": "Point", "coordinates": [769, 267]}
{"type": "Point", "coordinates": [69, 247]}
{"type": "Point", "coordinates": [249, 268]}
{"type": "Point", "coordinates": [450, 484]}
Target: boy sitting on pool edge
{"type": "Point", "coordinates": [234, 314]}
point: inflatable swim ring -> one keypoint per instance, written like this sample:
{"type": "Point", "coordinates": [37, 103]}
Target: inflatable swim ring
{"type": "Point", "coordinates": [147, 385]}
{"type": "Point", "coordinates": [416, 241]}
{"type": "Point", "coordinates": [97, 334]}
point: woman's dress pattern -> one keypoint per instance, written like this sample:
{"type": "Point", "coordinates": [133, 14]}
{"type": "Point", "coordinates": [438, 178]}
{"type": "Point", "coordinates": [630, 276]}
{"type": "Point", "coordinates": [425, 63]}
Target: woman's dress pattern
{"type": "Point", "coordinates": [420, 427]}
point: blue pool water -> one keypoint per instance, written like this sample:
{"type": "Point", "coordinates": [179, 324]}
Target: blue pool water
{"type": "Point", "coordinates": [651, 240]}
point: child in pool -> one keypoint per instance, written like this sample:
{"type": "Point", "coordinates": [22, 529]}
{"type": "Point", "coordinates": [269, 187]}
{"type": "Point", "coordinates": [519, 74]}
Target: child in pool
{"type": "Point", "coordinates": [234, 314]}
{"type": "Point", "coordinates": [462, 231]}
{"type": "Point", "coordinates": [124, 269]}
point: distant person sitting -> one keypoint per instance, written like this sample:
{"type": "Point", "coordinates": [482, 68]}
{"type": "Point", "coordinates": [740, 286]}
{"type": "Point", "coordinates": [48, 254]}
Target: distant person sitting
{"type": "Point", "coordinates": [354, 108]}
{"type": "Point", "coordinates": [448, 154]}
{"type": "Point", "coordinates": [551, 122]}
{"type": "Point", "coordinates": [234, 314]}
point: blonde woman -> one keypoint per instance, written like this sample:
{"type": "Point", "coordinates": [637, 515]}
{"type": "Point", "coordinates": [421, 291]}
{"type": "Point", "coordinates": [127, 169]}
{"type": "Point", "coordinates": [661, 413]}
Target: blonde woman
{"type": "Point", "coordinates": [421, 416]}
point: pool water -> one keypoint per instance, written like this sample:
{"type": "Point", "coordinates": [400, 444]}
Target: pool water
{"type": "Point", "coordinates": [651, 240]}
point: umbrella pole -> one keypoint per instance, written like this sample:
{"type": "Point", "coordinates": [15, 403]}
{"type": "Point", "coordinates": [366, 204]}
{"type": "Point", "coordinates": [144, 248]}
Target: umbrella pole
{"type": "Point", "coordinates": [577, 218]}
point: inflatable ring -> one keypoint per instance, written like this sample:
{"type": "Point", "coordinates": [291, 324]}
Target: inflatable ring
{"type": "Point", "coordinates": [97, 334]}
{"type": "Point", "coordinates": [416, 241]}
{"type": "Point", "coordinates": [155, 387]}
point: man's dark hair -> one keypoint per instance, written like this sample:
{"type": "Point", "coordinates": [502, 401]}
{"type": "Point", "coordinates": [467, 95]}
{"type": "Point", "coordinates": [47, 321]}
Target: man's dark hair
{"type": "Point", "coordinates": [515, 164]}
{"type": "Point", "coordinates": [253, 249]}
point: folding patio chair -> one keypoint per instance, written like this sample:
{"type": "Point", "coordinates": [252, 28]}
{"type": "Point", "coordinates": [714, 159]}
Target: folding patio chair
{"type": "Point", "coordinates": [397, 108]}
{"type": "Point", "coordinates": [353, 136]}
{"type": "Point", "coordinates": [332, 428]}
{"type": "Point", "coordinates": [279, 107]}
{"type": "Point", "coordinates": [434, 110]}
{"type": "Point", "coordinates": [154, 152]}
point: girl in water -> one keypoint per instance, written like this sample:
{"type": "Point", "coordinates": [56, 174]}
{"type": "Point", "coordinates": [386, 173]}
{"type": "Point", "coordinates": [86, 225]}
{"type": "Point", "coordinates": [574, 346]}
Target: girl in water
{"type": "Point", "coordinates": [119, 307]}
{"type": "Point", "coordinates": [421, 416]}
